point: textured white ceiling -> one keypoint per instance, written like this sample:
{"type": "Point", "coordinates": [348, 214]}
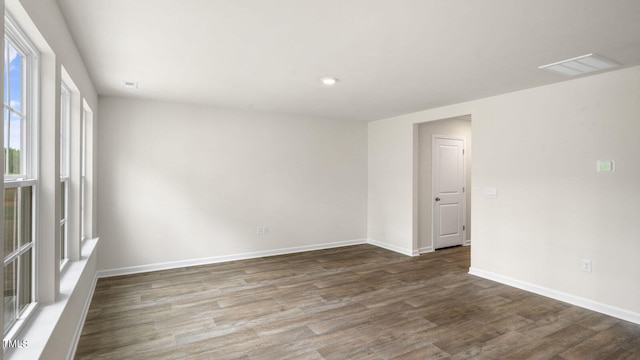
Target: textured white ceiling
{"type": "Point", "coordinates": [391, 57]}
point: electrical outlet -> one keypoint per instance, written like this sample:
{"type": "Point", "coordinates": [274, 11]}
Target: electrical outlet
{"type": "Point", "coordinates": [586, 265]}
{"type": "Point", "coordinates": [259, 230]}
{"type": "Point", "coordinates": [265, 230]}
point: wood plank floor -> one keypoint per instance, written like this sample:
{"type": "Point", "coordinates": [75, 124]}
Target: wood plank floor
{"type": "Point", "coordinates": [357, 302]}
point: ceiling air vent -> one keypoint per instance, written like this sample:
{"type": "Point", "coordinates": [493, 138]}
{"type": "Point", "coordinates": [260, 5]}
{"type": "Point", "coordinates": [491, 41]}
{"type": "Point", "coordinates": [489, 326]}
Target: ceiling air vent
{"type": "Point", "coordinates": [130, 84]}
{"type": "Point", "coordinates": [580, 65]}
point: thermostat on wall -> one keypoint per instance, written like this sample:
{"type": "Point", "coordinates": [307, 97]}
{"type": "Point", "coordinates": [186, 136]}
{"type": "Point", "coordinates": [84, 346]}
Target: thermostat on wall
{"type": "Point", "coordinates": [605, 166]}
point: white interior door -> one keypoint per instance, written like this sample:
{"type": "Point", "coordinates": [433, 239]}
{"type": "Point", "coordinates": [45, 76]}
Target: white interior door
{"type": "Point", "coordinates": [448, 191]}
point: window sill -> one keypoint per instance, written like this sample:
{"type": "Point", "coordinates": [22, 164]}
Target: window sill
{"type": "Point", "coordinates": [46, 318]}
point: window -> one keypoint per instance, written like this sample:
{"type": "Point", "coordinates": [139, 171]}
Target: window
{"type": "Point", "coordinates": [19, 179]}
{"type": "Point", "coordinates": [83, 176]}
{"type": "Point", "coordinates": [65, 120]}
{"type": "Point", "coordinates": [14, 111]}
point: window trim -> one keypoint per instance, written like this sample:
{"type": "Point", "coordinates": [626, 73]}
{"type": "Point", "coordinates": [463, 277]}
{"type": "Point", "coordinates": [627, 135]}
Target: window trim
{"type": "Point", "coordinates": [64, 218]}
{"type": "Point", "coordinates": [65, 130]}
{"type": "Point", "coordinates": [83, 174]}
{"type": "Point", "coordinates": [65, 168]}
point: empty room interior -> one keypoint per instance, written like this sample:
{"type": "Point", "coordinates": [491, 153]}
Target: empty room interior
{"type": "Point", "coordinates": [310, 179]}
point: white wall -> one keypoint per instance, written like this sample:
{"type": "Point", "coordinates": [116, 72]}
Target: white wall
{"type": "Point", "coordinates": [539, 148]}
{"type": "Point", "coordinates": [181, 182]}
{"type": "Point", "coordinates": [390, 187]}
{"type": "Point", "coordinates": [50, 23]}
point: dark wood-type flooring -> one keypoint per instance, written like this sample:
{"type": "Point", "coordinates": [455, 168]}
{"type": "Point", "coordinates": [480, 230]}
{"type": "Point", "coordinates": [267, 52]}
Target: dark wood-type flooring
{"type": "Point", "coordinates": [357, 302]}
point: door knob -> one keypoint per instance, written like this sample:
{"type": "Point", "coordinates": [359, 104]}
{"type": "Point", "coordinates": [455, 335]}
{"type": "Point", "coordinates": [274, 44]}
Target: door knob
{"type": "Point", "coordinates": [437, 199]}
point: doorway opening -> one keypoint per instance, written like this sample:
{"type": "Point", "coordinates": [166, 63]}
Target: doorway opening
{"type": "Point", "coordinates": [443, 198]}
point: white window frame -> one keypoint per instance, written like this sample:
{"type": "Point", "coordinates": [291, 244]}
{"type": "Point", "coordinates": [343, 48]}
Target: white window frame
{"type": "Point", "coordinates": [65, 159]}
{"type": "Point", "coordinates": [13, 37]}
{"type": "Point", "coordinates": [28, 176]}
{"type": "Point", "coordinates": [83, 175]}
{"type": "Point", "coordinates": [23, 315]}
{"type": "Point", "coordinates": [29, 128]}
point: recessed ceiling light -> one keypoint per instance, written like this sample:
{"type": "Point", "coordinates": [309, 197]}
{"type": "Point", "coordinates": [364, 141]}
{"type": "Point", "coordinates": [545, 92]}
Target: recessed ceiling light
{"type": "Point", "coordinates": [580, 65]}
{"type": "Point", "coordinates": [329, 81]}
{"type": "Point", "coordinates": [130, 84]}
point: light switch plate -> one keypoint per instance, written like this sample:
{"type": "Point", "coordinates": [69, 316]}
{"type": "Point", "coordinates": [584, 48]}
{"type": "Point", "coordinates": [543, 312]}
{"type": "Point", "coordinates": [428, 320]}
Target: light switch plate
{"type": "Point", "coordinates": [491, 192]}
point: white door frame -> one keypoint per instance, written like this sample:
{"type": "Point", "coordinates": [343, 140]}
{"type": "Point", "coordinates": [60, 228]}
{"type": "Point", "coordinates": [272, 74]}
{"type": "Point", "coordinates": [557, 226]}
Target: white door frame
{"type": "Point", "coordinates": [464, 181]}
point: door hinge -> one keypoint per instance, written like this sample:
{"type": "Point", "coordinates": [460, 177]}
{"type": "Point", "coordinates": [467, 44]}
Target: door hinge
{"type": "Point", "coordinates": [463, 189]}
{"type": "Point", "coordinates": [464, 228]}
{"type": "Point", "coordinates": [462, 151]}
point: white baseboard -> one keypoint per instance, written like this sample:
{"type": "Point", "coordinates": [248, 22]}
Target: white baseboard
{"type": "Point", "coordinates": [558, 295]}
{"type": "Point", "coordinates": [426, 249]}
{"type": "Point", "coordinates": [466, 242]}
{"type": "Point", "coordinates": [397, 249]}
{"type": "Point", "coordinates": [223, 258]}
